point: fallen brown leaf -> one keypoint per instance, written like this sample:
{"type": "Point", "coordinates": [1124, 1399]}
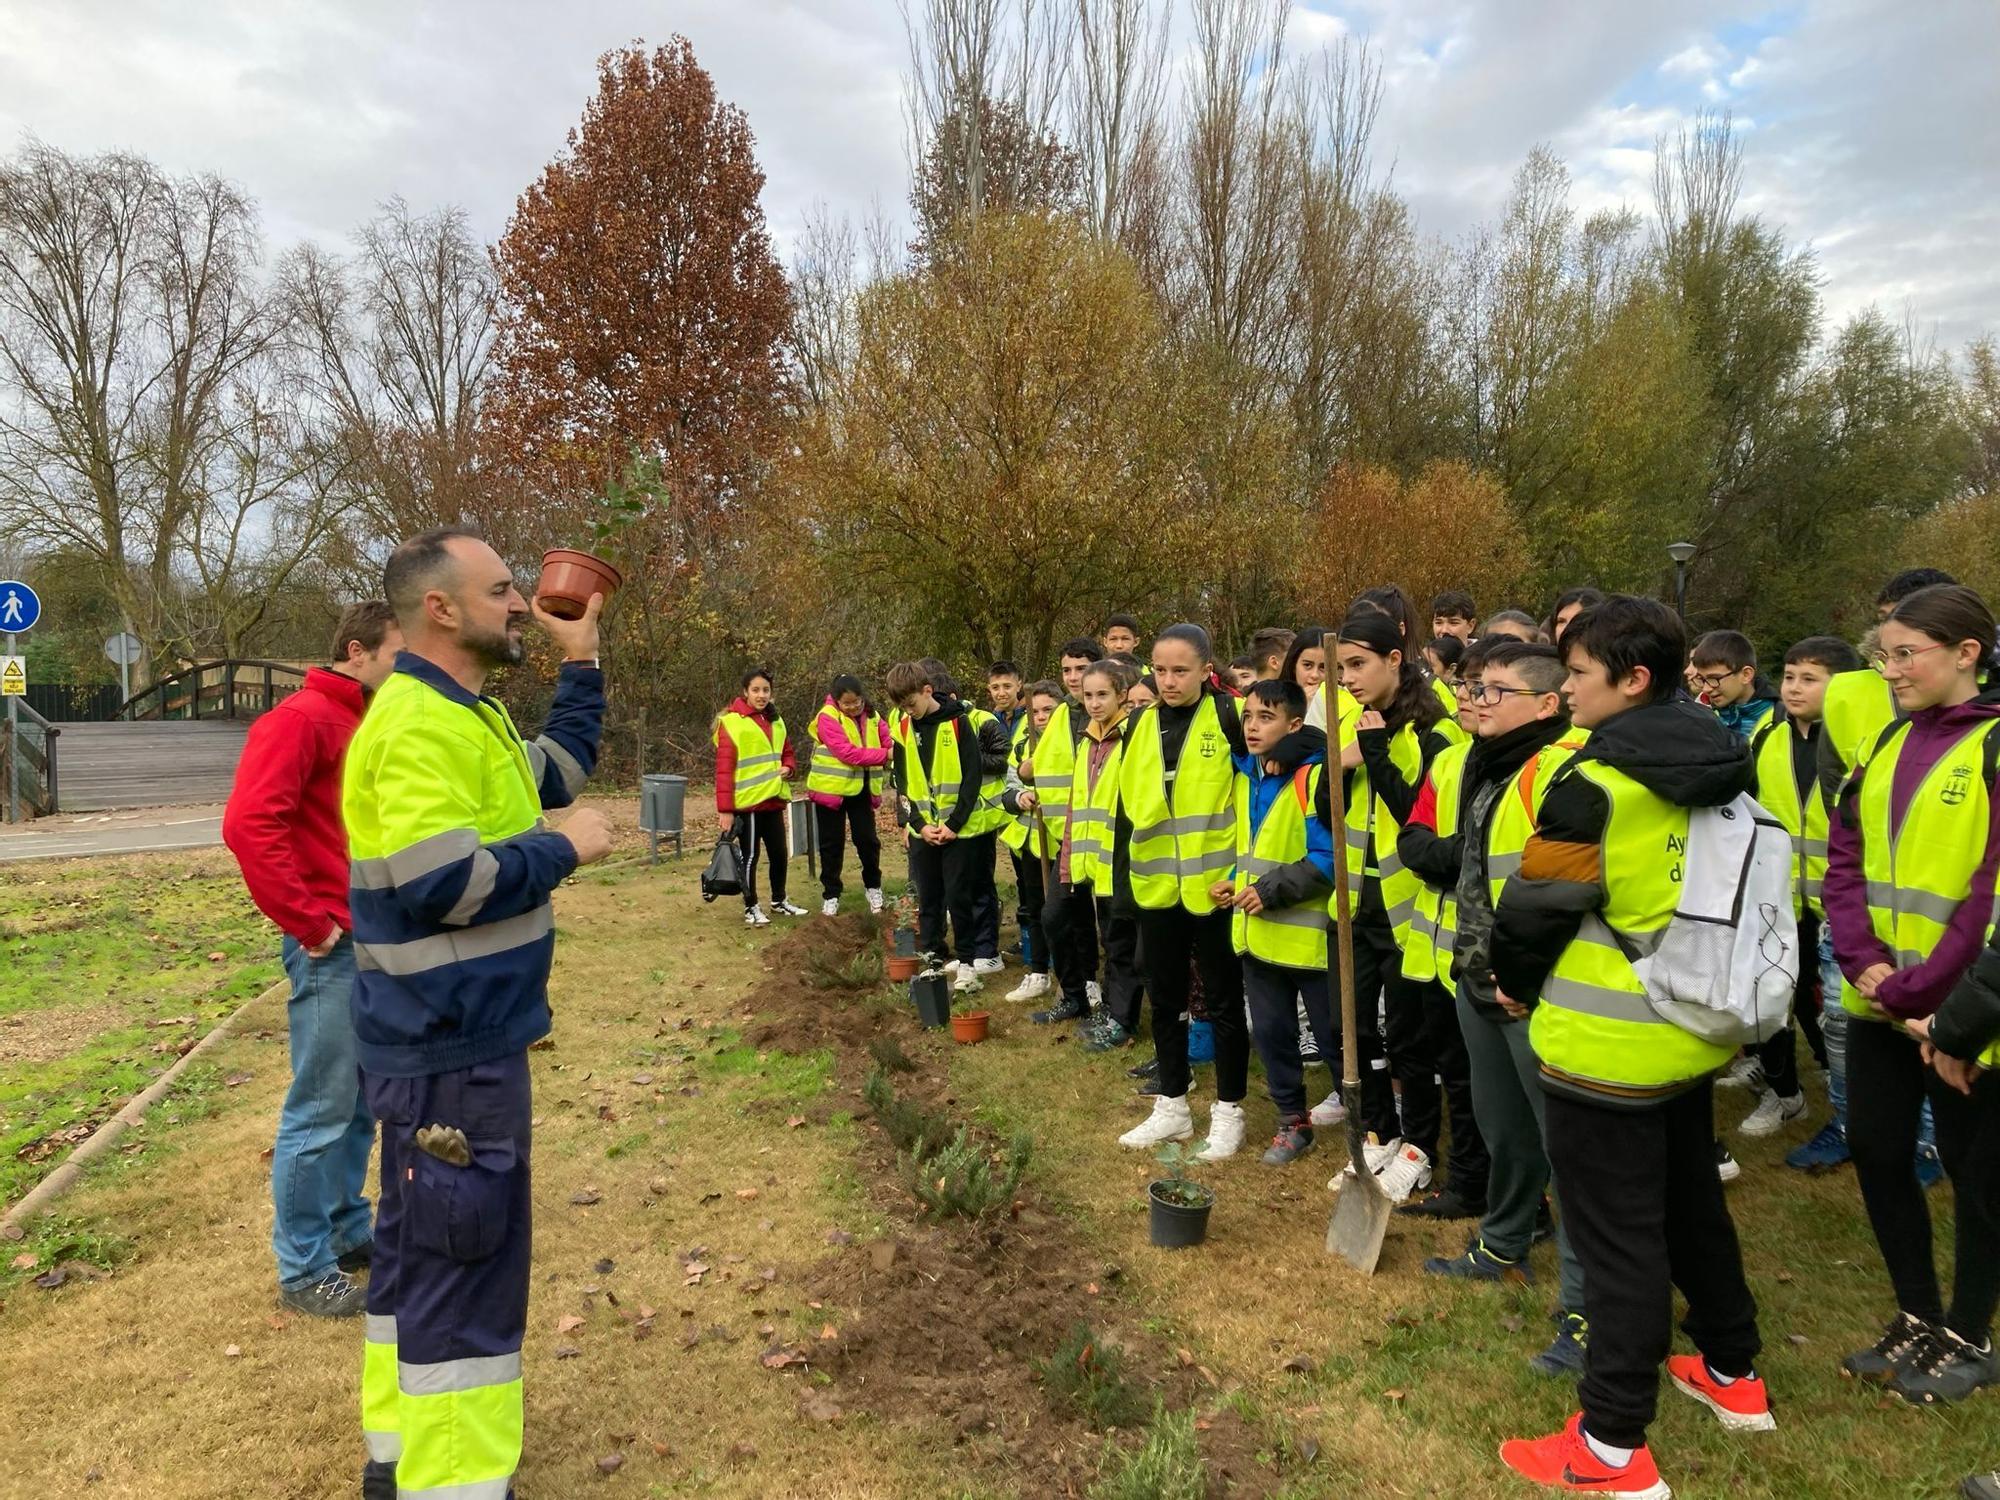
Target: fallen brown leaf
{"type": "Point", "coordinates": [569, 1323]}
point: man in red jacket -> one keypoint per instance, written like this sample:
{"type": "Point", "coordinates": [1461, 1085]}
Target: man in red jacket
{"type": "Point", "coordinates": [283, 825]}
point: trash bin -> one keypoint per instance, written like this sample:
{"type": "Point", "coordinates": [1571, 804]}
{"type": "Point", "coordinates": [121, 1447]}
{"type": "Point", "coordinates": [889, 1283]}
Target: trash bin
{"type": "Point", "coordinates": [662, 810]}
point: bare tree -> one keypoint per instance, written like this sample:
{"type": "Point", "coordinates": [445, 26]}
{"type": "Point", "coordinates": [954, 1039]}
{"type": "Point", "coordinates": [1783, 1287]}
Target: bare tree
{"type": "Point", "coordinates": [1117, 93]}
{"type": "Point", "coordinates": [823, 291]}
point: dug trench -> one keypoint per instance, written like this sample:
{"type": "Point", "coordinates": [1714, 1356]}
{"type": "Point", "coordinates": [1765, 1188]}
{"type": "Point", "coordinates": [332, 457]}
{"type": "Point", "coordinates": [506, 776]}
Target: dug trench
{"type": "Point", "coordinates": [966, 1319]}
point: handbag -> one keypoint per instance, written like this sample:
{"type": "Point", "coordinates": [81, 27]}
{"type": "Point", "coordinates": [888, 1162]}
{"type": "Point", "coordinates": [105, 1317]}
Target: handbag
{"type": "Point", "coordinates": [724, 875]}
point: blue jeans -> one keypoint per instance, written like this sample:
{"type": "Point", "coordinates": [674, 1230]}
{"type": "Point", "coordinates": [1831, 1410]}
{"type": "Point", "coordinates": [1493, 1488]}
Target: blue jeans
{"type": "Point", "coordinates": [324, 1131]}
{"type": "Point", "coordinates": [1833, 1023]}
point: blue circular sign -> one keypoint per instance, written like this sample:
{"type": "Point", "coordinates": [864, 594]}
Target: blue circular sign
{"type": "Point", "coordinates": [19, 607]}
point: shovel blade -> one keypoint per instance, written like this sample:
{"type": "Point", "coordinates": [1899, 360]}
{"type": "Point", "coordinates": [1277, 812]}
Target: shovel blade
{"type": "Point", "coordinates": [1359, 1223]}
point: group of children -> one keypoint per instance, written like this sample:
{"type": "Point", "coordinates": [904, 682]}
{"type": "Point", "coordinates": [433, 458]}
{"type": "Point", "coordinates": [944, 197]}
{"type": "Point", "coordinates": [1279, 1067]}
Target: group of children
{"type": "Point", "coordinates": [1517, 799]}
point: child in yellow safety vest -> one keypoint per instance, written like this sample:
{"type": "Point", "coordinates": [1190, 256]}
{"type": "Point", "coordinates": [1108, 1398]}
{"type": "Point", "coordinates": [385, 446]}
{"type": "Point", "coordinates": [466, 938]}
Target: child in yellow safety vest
{"type": "Point", "coordinates": [754, 763]}
{"type": "Point", "coordinates": [1278, 891]}
{"type": "Point", "coordinates": [939, 774]}
{"type": "Point", "coordinates": [850, 762]}
{"type": "Point", "coordinates": [1910, 893]}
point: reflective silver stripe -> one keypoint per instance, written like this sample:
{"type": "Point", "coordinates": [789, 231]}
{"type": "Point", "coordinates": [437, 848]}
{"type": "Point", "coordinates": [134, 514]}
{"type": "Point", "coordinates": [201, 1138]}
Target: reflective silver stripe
{"type": "Point", "coordinates": [1357, 838]}
{"type": "Point", "coordinates": [1402, 912]}
{"type": "Point", "coordinates": [479, 1489]}
{"type": "Point", "coordinates": [1294, 916]}
{"type": "Point", "coordinates": [1596, 1000]}
{"type": "Point", "coordinates": [1906, 902]}
{"type": "Point", "coordinates": [1209, 864]}
{"type": "Point", "coordinates": [1089, 815]}
{"type": "Point", "coordinates": [379, 1328]}
{"type": "Point", "coordinates": [1908, 958]}
{"type": "Point", "coordinates": [566, 765]}
{"type": "Point", "coordinates": [1597, 931]}
{"type": "Point", "coordinates": [1814, 848]}
{"type": "Point", "coordinates": [1391, 865]}
{"type": "Point", "coordinates": [1164, 866]}
{"type": "Point", "coordinates": [1815, 887]}
{"type": "Point", "coordinates": [1501, 866]}
{"type": "Point", "coordinates": [744, 762]}
{"type": "Point", "coordinates": [478, 888]}
{"type": "Point", "coordinates": [426, 856]}
{"type": "Point", "coordinates": [421, 954]}
{"type": "Point", "coordinates": [383, 1447]}
{"type": "Point", "coordinates": [449, 1375]}
{"type": "Point", "coordinates": [1256, 864]}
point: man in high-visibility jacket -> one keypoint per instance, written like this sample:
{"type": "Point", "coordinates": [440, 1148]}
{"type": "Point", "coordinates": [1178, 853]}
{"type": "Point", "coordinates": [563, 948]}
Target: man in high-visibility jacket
{"type": "Point", "coordinates": [1629, 1104]}
{"type": "Point", "coordinates": [453, 864]}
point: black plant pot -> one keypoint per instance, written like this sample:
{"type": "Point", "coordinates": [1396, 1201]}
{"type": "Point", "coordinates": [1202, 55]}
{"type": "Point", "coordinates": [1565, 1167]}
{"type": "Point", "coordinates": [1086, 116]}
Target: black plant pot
{"type": "Point", "coordinates": [1174, 1225]}
{"type": "Point", "coordinates": [931, 993]}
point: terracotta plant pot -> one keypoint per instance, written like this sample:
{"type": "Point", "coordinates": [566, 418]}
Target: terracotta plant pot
{"type": "Point", "coordinates": [901, 968]}
{"type": "Point", "coordinates": [971, 1028]}
{"type": "Point", "coordinates": [570, 578]}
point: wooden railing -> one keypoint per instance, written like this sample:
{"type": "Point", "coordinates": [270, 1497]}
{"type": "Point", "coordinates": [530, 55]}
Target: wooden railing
{"type": "Point", "coordinates": [28, 763]}
{"type": "Point", "coordinates": [216, 690]}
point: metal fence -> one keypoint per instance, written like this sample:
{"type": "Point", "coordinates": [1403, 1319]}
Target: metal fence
{"type": "Point", "coordinates": [75, 702]}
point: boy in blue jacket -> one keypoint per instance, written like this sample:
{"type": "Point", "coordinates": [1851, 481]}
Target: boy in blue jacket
{"type": "Point", "coordinates": [1279, 888]}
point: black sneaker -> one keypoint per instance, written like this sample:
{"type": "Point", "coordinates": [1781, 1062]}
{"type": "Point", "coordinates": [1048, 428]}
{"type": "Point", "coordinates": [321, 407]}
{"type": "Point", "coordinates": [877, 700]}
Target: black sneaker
{"type": "Point", "coordinates": [1947, 1369]}
{"type": "Point", "coordinates": [1726, 1166]}
{"type": "Point", "coordinates": [1902, 1338]}
{"type": "Point", "coordinates": [334, 1295]}
{"type": "Point", "coordinates": [1107, 1038]}
{"type": "Point", "coordinates": [1148, 1070]}
{"type": "Point", "coordinates": [1981, 1486]}
{"type": "Point", "coordinates": [1564, 1356]}
{"type": "Point", "coordinates": [357, 1259]}
{"type": "Point", "coordinates": [1479, 1264]}
{"type": "Point", "coordinates": [1064, 1009]}
{"type": "Point", "coordinates": [1293, 1140]}
{"type": "Point", "coordinates": [1445, 1203]}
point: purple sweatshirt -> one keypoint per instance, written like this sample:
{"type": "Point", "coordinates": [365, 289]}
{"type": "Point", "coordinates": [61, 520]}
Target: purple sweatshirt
{"type": "Point", "coordinates": [1909, 993]}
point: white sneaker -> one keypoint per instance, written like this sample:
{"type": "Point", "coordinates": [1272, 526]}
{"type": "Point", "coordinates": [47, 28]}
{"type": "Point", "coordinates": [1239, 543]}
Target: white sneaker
{"type": "Point", "coordinates": [753, 916]}
{"type": "Point", "coordinates": [830, 907]}
{"type": "Point", "coordinates": [875, 899]}
{"type": "Point", "coordinates": [988, 965]}
{"type": "Point", "coordinates": [1379, 1155]}
{"type": "Point", "coordinates": [1409, 1172]}
{"type": "Point", "coordinates": [1169, 1121]}
{"type": "Point", "coordinates": [1329, 1111]}
{"type": "Point", "coordinates": [965, 981]}
{"type": "Point", "coordinates": [1031, 987]}
{"type": "Point", "coordinates": [1772, 1114]}
{"type": "Point", "coordinates": [1225, 1133]}
{"type": "Point", "coordinates": [788, 909]}
{"type": "Point", "coordinates": [1745, 1073]}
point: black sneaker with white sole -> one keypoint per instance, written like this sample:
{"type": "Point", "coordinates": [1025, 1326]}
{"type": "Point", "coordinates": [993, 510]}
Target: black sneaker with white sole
{"type": "Point", "coordinates": [334, 1295]}
{"type": "Point", "coordinates": [1946, 1370]}
{"type": "Point", "coordinates": [1907, 1335]}
{"type": "Point", "coordinates": [357, 1259]}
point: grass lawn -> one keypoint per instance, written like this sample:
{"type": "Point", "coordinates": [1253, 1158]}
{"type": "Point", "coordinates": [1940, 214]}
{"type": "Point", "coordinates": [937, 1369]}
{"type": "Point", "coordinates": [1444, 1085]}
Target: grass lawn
{"type": "Point", "coordinates": [735, 1295]}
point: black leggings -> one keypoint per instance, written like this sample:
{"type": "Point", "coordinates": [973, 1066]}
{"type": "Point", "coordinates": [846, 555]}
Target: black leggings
{"type": "Point", "coordinates": [767, 828]}
{"type": "Point", "coordinates": [1887, 1084]}
{"type": "Point", "coordinates": [1169, 940]}
{"type": "Point", "coordinates": [856, 813]}
{"type": "Point", "coordinates": [1376, 960]}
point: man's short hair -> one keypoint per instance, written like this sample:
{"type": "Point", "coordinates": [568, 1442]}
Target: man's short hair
{"type": "Point", "coordinates": [1127, 621]}
{"type": "Point", "coordinates": [1003, 668]}
{"type": "Point", "coordinates": [1828, 651]}
{"type": "Point", "coordinates": [1728, 649]}
{"type": "Point", "coordinates": [1907, 582]}
{"type": "Point", "coordinates": [1288, 698]}
{"type": "Point", "coordinates": [419, 565]}
{"type": "Point", "coordinates": [905, 678]}
{"type": "Point", "coordinates": [1084, 647]}
{"type": "Point", "coordinates": [1243, 663]}
{"type": "Point", "coordinates": [1454, 604]}
{"type": "Point", "coordinates": [1535, 664]}
{"type": "Point", "coordinates": [1272, 640]}
{"type": "Point", "coordinates": [1627, 632]}
{"type": "Point", "coordinates": [1045, 687]}
{"type": "Point", "coordinates": [367, 622]}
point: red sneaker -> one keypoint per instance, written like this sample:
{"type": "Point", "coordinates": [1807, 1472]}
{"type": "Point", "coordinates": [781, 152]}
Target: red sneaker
{"type": "Point", "coordinates": [1742, 1405]}
{"type": "Point", "coordinates": [1564, 1461]}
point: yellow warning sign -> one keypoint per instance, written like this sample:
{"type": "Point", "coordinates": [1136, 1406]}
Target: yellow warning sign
{"type": "Point", "coordinates": [13, 677]}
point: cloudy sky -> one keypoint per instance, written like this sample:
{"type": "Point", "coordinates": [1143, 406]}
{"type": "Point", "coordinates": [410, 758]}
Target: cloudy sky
{"type": "Point", "coordinates": [1872, 126]}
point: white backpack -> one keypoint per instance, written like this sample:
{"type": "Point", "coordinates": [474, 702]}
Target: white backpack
{"type": "Point", "coordinates": [1728, 961]}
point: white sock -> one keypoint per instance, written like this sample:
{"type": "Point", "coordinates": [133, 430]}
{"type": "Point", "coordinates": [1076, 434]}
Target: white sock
{"type": "Point", "coordinates": [1721, 1379]}
{"type": "Point", "coordinates": [1616, 1458]}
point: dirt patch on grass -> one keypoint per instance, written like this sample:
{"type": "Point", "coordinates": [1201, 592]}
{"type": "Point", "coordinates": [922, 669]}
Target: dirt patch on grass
{"type": "Point", "coordinates": [45, 1035]}
{"type": "Point", "coordinates": [950, 1318]}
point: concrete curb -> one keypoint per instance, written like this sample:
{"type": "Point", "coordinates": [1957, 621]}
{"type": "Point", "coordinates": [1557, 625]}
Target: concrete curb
{"type": "Point", "coordinates": [66, 1176]}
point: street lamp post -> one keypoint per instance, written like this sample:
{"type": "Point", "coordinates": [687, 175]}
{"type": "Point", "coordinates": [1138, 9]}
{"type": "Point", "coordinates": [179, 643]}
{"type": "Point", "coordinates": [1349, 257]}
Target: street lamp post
{"type": "Point", "coordinates": [1682, 553]}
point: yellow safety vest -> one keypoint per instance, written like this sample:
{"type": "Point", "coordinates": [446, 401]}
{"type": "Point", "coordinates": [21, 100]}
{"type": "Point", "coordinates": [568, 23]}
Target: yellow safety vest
{"type": "Point", "coordinates": [1023, 833]}
{"type": "Point", "coordinates": [1778, 792]}
{"type": "Point", "coordinates": [1918, 879]}
{"type": "Point", "coordinates": [1183, 832]}
{"type": "Point", "coordinates": [1859, 706]}
{"type": "Point", "coordinates": [1594, 1026]}
{"type": "Point", "coordinates": [1053, 760]}
{"type": "Point", "coordinates": [933, 790]}
{"type": "Point", "coordinates": [827, 773]}
{"type": "Point", "coordinates": [1434, 928]}
{"type": "Point", "coordinates": [760, 759]}
{"type": "Point", "coordinates": [1519, 810]}
{"type": "Point", "coordinates": [1292, 936]}
{"type": "Point", "coordinates": [1371, 837]}
{"type": "Point", "coordinates": [992, 816]}
{"type": "Point", "coordinates": [1093, 812]}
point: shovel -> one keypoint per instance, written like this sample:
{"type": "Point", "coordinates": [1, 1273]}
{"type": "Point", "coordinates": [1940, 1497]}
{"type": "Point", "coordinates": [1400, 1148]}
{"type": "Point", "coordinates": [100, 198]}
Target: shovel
{"type": "Point", "coordinates": [1361, 1211]}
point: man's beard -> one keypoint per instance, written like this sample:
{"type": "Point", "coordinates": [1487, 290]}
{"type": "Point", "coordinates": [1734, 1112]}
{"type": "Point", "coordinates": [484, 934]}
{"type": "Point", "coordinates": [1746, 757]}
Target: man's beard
{"type": "Point", "coordinates": [501, 648]}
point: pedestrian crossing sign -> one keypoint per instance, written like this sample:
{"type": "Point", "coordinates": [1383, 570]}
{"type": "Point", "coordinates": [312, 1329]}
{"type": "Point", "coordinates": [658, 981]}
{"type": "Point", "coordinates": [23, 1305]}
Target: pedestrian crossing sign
{"type": "Point", "coordinates": [13, 677]}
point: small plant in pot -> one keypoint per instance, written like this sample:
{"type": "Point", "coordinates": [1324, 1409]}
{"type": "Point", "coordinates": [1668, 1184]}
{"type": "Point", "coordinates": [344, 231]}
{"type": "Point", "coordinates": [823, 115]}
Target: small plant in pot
{"type": "Point", "coordinates": [968, 1022]}
{"type": "Point", "coordinates": [1178, 1203]}
{"type": "Point", "coordinates": [930, 991]}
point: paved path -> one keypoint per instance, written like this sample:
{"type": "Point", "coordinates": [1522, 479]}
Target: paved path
{"type": "Point", "coordinates": [135, 831]}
